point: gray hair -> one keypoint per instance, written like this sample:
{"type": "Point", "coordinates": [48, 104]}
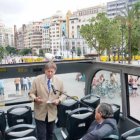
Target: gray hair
{"type": "Point", "coordinates": [106, 110]}
{"type": "Point", "coordinates": [51, 64]}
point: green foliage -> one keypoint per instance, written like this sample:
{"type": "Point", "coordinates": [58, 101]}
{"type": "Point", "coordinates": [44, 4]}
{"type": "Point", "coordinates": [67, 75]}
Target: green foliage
{"type": "Point", "coordinates": [41, 52]}
{"type": "Point", "coordinates": [2, 53]}
{"type": "Point", "coordinates": [107, 33]}
{"type": "Point", "coordinates": [130, 19]}
{"type": "Point", "coordinates": [135, 39]}
{"type": "Point", "coordinates": [102, 33]}
{"type": "Point", "coordinates": [25, 51]}
{"type": "Point", "coordinates": [87, 32]}
{"type": "Point", "coordinates": [11, 50]}
{"type": "Point", "coordinates": [79, 51]}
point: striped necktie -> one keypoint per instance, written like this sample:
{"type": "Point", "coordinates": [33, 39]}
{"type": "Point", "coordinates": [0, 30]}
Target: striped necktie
{"type": "Point", "coordinates": [49, 86]}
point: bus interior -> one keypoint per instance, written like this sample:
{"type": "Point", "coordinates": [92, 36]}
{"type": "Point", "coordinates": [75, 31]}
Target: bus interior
{"type": "Point", "coordinates": [87, 83]}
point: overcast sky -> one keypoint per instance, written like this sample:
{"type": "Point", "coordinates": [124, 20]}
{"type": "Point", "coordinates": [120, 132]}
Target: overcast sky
{"type": "Point", "coordinates": [23, 11]}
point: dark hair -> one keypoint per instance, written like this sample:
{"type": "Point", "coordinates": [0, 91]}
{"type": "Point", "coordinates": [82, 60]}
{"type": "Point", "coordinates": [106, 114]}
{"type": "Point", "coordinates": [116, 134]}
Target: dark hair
{"type": "Point", "coordinates": [106, 110]}
{"type": "Point", "coordinates": [49, 65]}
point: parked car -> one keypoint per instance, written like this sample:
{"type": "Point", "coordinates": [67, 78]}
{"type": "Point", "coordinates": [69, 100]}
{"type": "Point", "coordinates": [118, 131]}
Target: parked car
{"type": "Point", "coordinates": [58, 57]}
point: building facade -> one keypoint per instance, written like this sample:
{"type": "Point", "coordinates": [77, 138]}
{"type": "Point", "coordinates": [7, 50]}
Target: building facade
{"type": "Point", "coordinates": [115, 8]}
{"type": "Point", "coordinates": [6, 36]}
{"type": "Point", "coordinates": [77, 20]}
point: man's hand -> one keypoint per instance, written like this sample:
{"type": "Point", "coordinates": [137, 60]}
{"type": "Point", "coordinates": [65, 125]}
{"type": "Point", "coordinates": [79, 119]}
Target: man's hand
{"type": "Point", "coordinates": [38, 100]}
{"type": "Point", "coordinates": [56, 101]}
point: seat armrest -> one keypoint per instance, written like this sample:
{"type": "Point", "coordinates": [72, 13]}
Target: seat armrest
{"type": "Point", "coordinates": [111, 137]}
{"type": "Point", "coordinates": [130, 132]}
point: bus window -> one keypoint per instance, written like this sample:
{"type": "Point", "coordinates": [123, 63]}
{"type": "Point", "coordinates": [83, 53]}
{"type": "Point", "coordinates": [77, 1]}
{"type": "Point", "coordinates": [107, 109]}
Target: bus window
{"type": "Point", "coordinates": [74, 84]}
{"type": "Point", "coordinates": [20, 87]}
{"type": "Point", "coordinates": [133, 92]}
{"type": "Point", "coordinates": [106, 84]}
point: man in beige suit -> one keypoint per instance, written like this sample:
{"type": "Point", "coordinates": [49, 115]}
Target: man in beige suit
{"type": "Point", "coordinates": [46, 100]}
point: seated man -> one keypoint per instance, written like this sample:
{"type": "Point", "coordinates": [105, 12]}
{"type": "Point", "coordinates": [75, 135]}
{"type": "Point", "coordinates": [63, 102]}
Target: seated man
{"type": "Point", "coordinates": [103, 125]}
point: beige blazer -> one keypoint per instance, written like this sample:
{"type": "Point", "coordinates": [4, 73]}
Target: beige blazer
{"type": "Point", "coordinates": [39, 88]}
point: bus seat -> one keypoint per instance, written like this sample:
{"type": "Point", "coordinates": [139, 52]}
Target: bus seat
{"type": "Point", "coordinates": [132, 134]}
{"type": "Point", "coordinates": [91, 100]}
{"type": "Point", "coordinates": [63, 109]}
{"type": "Point", "coordinates": [111, 137]}
{"type": "Point", "coordinates": [78, 121]}
{"type": "Point", "coordinates": [20, 131]}
{"type": "Point", "coordinates": [1, 136]}
{"type": "Point", "coordinates": [19, 115]}
{"type": "Point", "coordinates": [133, 137]}
{"type": "Point", "coordinates": [116, 111]}
{"type": "Point", "coordinates": [2, 122]}
{"type": "Point", "coordinates": [26, 138]}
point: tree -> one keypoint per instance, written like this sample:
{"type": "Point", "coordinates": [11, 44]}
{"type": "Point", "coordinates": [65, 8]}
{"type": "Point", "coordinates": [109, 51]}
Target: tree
{"type": "Point", "coordinates": [87, 32]}
{"type": "Point", "coordinates": [136, 30]}
{"type": "Point", "coordinates": [130, 19]}
{"type": "Point", "coordinates": [79, 51]}
{"type": "Point", "coordinates": [25, 51]}
{"type": "Point", "coordinates": [106, 33]}
{"type": "Point", "coordinates": [135, 39]}
{"type": "Point", "coordinates": [41, 52]}
{"type": "Point", "coordinates": [11, 50]}
{"type": "Point", "coordinates": [102, 33]}
{"type": "Point", "coordinates": [2, 53]}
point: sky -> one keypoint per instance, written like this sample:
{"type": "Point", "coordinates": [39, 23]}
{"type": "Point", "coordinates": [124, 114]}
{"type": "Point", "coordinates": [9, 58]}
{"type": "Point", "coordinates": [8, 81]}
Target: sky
{"type": "Point", "coordinates": [18, 12]}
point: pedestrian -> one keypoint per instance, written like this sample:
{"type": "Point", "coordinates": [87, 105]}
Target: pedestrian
{"type": "Point", "coordinates": [130, 84]}
{"type": "Point", "coordinates": [78, 77]}
{"type": "Point", "coordinates": [46, 99]}
{"type": "Point", "coordinates": [113, 79]}
{"type": "Point", "coordinates": [135, 87]}
{"type": "Point", "coordinates": [94, 81]}
{"type": "Point", "coordinates": [29, 82]}
{"type": "Point", "coordinates": [25, 83]}
{"type": "Point", "coordinates": [103, 125]}
{"type": "Point", "coordinates": [21, 83]}
{"type": "Point", "coordinates": [1, 87]}
{"type": "Point", "coordinates": [101, 79]}
{"type": "Point", "coordinates": [17, 82]}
